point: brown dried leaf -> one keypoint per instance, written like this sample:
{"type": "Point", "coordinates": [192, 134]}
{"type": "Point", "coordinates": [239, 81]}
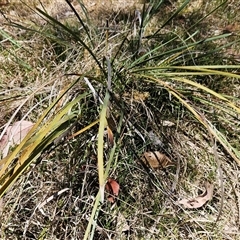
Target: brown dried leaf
{"type": "Point", "coordinates": [200, 200]}
{"type": "Point", "coordinates": [110, 136]}
{"type": "Point", "coordinates": [156, 160]}
{"type": "Point", "coordinates": [112, 187]}
{"type": "Point", "coordinates": [14, 135]}
{"type": "Point", "coordinates": [231, 28]}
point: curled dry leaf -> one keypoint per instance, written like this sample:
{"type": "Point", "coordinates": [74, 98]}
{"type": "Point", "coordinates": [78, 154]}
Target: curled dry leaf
{"type": "Point", "coordinates": [110, 136]}
{"type": "Point", "coordinates": [200, 200]}
{"type": "Point", "coordinates": [156, 160]}
{"type": "Point", "coordinates": [111, 127]}
{"type": "Point", "coordinates": [14, 135]}
{"type": "Point", "coordinates": [112, 187]}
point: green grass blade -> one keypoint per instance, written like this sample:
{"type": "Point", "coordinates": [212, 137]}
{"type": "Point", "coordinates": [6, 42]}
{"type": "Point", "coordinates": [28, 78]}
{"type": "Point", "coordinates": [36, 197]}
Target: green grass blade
{"type": "Point", "coordinates": [177, 49]}
{"type": "Point", "coordinates": [97, 206]}
{"type": "Point", "coordinates": [10, 39]}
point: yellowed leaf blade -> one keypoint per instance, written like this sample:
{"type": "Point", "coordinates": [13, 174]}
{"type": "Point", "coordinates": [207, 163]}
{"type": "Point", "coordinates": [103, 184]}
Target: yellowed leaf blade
{"type": "Point", "coordinates": [31, 153]}
{"type": "Point", "coordinates": [84, 129]}
{"type": "Point", "coordinates": [32, 149]}
{"type": "Point", "coordinates": [102, 125]}
{"type": "Point", "coordinates": [8, 159]}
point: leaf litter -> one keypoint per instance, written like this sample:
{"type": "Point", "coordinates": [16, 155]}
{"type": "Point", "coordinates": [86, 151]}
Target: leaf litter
{"type": "Point", "coordinates": [14, 135]}
{"type": "Point", "coordinates": [112, 187]}
{"type": "Point", "coordinates": [156, 160]}
{"type": "Point", "coordinates": [200, 200]}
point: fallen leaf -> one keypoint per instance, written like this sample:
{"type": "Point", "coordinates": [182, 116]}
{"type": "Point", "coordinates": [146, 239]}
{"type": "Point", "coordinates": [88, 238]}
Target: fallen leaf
{"type": "Point", "coordinates": [231, 28]}
{"type": "Point", "coordinates": [166, 123]}
{"type": "Point", "coordinates": [14, 135]}
{"type": "Point", "coordinates": [156, 160]}
{"type": "Point", "coordinates": [112, 187]}
{"type": "Point", "coordinates": [200, 200]}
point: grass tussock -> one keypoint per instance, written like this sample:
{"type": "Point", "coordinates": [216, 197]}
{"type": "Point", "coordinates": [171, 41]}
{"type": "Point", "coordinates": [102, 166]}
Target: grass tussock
{"type": "Point", "coordinates": [155, 76]}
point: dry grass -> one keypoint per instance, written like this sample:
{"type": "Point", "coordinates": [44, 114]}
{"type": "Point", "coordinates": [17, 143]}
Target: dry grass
{"type": "Point", "coordinates": [147, 204]}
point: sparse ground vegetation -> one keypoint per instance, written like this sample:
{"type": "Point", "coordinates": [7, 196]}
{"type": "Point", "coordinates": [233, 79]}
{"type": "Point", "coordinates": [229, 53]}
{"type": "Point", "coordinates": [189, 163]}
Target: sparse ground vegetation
{"type": "Point", "coordinates": [160, 76]}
